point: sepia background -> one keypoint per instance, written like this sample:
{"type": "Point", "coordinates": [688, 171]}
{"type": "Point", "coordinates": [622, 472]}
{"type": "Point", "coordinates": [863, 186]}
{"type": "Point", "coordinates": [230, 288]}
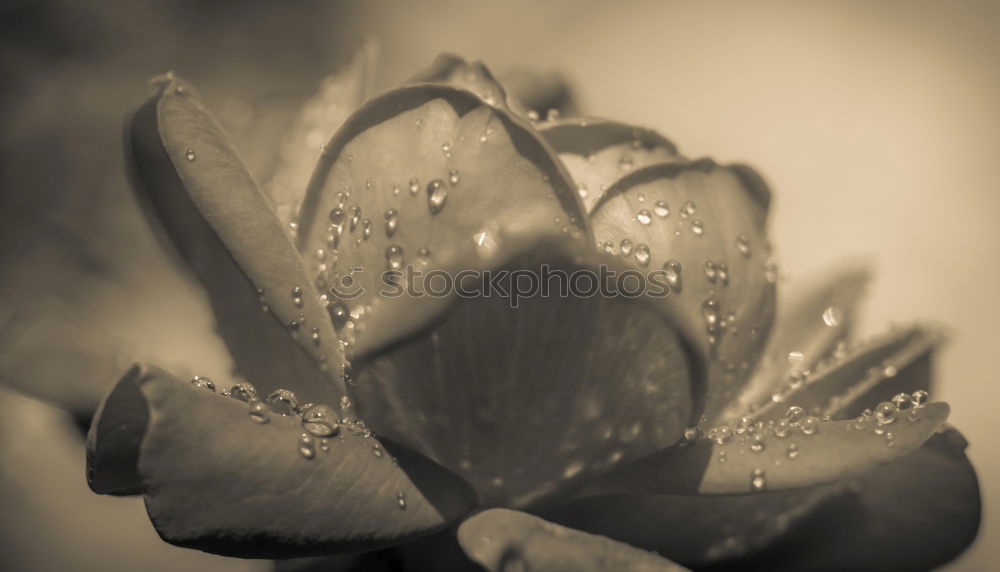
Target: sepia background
{"type": "Point", "coordinates": [877, 125]}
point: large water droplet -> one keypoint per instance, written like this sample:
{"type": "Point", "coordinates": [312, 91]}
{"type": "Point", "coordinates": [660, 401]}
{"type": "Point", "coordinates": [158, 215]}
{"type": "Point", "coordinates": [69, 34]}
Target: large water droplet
{"type": "Point", "coordinates": [661, 209]}
{"type": "Point", "coordinates": [189, 155]}
{"type": "Point", "coordinates": [282, 402]}
{"type": "Point", "coordinates": [625, 247]}
{"type": "Point", "coordinates": [902, 401]}
{"type": "Point", "coordinates": [697, 227]}
{"type": "Point", "coordinates": [920, 398]}
{"type": "Point", "coordinates": [437, 195]}
{"type": "Point", "coordinates": [243, 391]}
{"type": "Point", "coordinates": [258, 412]}
{"type": "Point", "coordinates": [320, 421]}
{"type": "Point", "coordinates": [832, 316]}
{"type": "Point", "coordinates": [886, 412]}
{"type": "Point", "coordinates": [673, 274]}
{"type": "Point", "coordinates": [644, 216]}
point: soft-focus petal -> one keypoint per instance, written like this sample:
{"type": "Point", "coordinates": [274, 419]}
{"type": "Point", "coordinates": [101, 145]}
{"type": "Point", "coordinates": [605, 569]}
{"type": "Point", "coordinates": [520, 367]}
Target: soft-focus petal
{"type": "Point", "coordinates": [598, 152]}
{"type": "Point", "coordinates": [215, 479]}
{"type": "Point", "coordinates": [704, 226]}
{"type": "Point", "coordinates": [428, 176]}
{"type": "Point", "coordinates": [863, 375]}
{"type": "Point", "coordinates": [452, 70]}
{"type": "Point", "coordinates": [197, 188]}
{"type": "Point", "coordinates": [485, 388]}
{"type": "Point", "coordinates": [808, 325]}
{"type": "Point", "coordinates": [831, 451]}
{"type": "Point", "coordinates": [915, 512]}
{"type": "Point", "coordinates": [541, 92]}
{"type": "Point", "coordinates": [501, 540]}
{"type": "Point", "coordinates": [339, 96]}
{"type": "Point", "coordinates": [52, 521]}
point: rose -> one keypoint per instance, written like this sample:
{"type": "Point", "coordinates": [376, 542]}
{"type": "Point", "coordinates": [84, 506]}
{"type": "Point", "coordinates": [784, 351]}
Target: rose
{"type": "Point", "coordinates": [681, 425]}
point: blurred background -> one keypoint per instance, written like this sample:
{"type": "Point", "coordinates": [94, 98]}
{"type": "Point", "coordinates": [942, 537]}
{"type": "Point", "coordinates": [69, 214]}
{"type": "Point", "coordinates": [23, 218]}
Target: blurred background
{"type": "Point", "coordinates": [876, 124]}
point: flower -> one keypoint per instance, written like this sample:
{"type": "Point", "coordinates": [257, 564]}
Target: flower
{"type": "Point", "coordinates": [563, 432]}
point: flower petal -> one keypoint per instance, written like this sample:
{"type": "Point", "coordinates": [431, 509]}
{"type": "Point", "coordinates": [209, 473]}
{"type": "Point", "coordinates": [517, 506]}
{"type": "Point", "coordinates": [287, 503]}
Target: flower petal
{"type": "Point", "coordinates": [501, 539]}
{"type": "Point", "coordinates": [704, 225]}
{"type": "Point", "coordinates": [884, 520]}
{"type": "Point", "coordinates": [215, 479]}
{"type": "Point", "coordinates": [806, 330]}
{"type": "Point", "coordinates": [339, 96]}
{"type": "Point", "coordinates": [453, 70]}
{"type": "Point", "coordinates": [198, 189]}
{"type": "Point", "coordinates": [52, 521]}
{"type": "Point", "coordinates": [541, 91]}
{"type": "Point", "coordinates": [917, 513]}
{"type": "Point", "coordinates": [427, 176]}
{"type": "Point", "coordinates": [836, 450]}
{"type": "Point", "coordinates": [864, 375]}
{"type": "Point", "coordinates": [498, 376]}
{"type": "Point", "coordinates": [598, 152]}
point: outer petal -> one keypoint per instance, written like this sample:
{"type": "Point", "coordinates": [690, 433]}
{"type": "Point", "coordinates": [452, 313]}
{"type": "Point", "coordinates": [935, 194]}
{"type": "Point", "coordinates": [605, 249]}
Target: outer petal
{"type": "Point", "coordinates": [541, 91]}
{"type": "Point", "coordinates": [214, 214]}
{"type": "Point", "coordinates": [806, 332]}
{"type": "Point", "coordinates": [835, 450]}
{"type": "Point", "coordinates": [501, 539]}
{"type": "Point", "coordinates": [705, 226]}
{"type": "Point", "coordinates": [215, 479]}
{"type": "Point", "coordinates": [52, 521]}
{"type": "Point", "coordinates": [884, 520]}
{"type": "Point", "coordinates": [598, 152]}
{"type": "Point", "coordinates": [452, 70]}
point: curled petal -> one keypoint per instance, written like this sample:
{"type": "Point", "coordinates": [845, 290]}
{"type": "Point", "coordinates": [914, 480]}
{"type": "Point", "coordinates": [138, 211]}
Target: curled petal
{"type": "Point", "coordinates": [501, 539]}
{"type": "Point", "coordinates": [452, 70]}
{"type": "Point", "coordinates": [827, 452]}
{"type": "Point", "coordinates": [703, 227]}
{"type": "Point", "coordinates": [216, 478]}
{"type": "Point", "coordinates": [200, 193]}
{"type": "Point", "coordinates": [598, 152]}
{"type": "Point", "coordinates": [807, 329]}
{"type": "Point", "coordinates": [863, 375]}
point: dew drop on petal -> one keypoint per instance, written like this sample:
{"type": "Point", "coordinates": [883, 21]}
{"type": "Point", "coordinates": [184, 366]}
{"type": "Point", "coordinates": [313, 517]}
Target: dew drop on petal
{"type": "Point", "coordinates": [697, 227]}
{"type": "Point", "coordinates": [391, 221]}
{"type": "Point", "coordinates": [243, 391]}
{"type": "Point", "coordinates": [687, 209]}
{"type": "Point", "coordinates": [642, 254]}
{"type": "Point", "coordinates": [886, 412]}
{"type": "Point", "coordinates": [307, 446]}
{"type": "Point", "coordinates": [743, 244]}
{"type": "Point", "coordinates": [282, 402]}
{"type": "Point", "coordinates": [672, 268]}
{"type": "Point", "coordinates": [414, 186]}
{"type": "Point", "coordinates": [258, 412]}
{"type": "Point", "coordinates": [437, 195]}
{"type": "Point", "coordinates": [644, 216]}
{"type": "Point", "coordinates": [394, 257]}
{"type": "Point", "coordinates": [189, 155]}
{"type": "Point", "coordinates": [625, 247]}
{"type": "Point", "coordinates": [401, 500]}
{"type": "Point", "coordinates": [832, 316]}
{"type": "Point", "coordinates": [757, 480]}
{"type": "Point", "coordinates": [320, 421]}
{"type": "Point", "coordinates": [793, 451]}
{"type": "Point", "coordinates": [721, 434]}
{"type": "Point", "coordinates": [453, 177]}
{"type": "Point", "coordinates": [661, 209]}
{"type": "Point", "coordinates": [809, 425]}
{"type": "Point", "coordinates": [202, 382]}
{"type": "Point", "coordinates": [920, 398]}
{"type": "Point", "coordinates": [902, 401]}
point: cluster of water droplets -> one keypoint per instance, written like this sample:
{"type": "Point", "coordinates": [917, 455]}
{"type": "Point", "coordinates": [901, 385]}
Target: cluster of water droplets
{"type": "Point", "coordinates": [321, 424]}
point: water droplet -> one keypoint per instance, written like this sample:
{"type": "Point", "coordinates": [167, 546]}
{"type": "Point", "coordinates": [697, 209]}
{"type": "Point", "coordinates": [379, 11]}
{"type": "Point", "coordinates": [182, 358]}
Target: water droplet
{"type": "Point", "coordinates": [320, 421]}
{"type": "Point", "coordinates": [757, 480]}
{"type": "Point", "coordinates": [366, 229]}
{"type": "Point", "coordinates": [337, 216]}
{"type": "Point", "coordinates": [720, 435]}
{"type": "Point", "coordinates": [886, 412]}
{"type": "Point", "coordinates": [793, 451]}
{"type": "Point", "coordinates": [743, 244]}
{"type": "Point", "coordinates": [414, 186]}
{"type": "Point", "coordinates": [437, 195]}
{"type": "Point", "coordinates": [723, 271]}
{"type": "Point", "coordinates": [377, 450]}
{"type": "Point", "coordinates": [890, 371]}
{"type": "Point", "coordinates": [661, 209]}
{"type": "Point", "coordinates": [626, 163]}
{"type": "Point", "coordinates": [625, 247]}
{"type": "Point", "coordinates": [203, 383]}
{"type": "Point", "coordinates": [282, 402]}
{"type": "Point", "coordinates": [795, 414]}
{"type": "Point", "coordinates": [243, 391]}
{"type": "Point", "coordinates": [710, 312]}
{"type": "Point", "coordinates": [757, 445]}
{"type": "Point", "coordinates": [809, 425]}
{"type": "Point", "coordinates": [189, 155]}
{"type": "Point", "coordinates": [394, 257]}
{"type": "Point", "coordinates": [710, 273]}
{"type": "Point", "coordinates": [345, 402]}
{"type": "Point", "coordinates": [391, 222]}
{"type": "Point", "coordinates": [307, 446]}
{"type": "Point", "coordinates": [338, 313]}
{"type": "Point", "coordinates": [832, 316]}
{"type": "Point", "coordinates": [446, 149]}
{"type": "Point", "coordinates": [258, 412]}
{"type": "Point", "coordinates": [673, 274]}
{"type": "Point", "coordinates": [644, 216]}
{"type": "Point", "coordinates": [552, 114]}
{"type": "Point", "coordinates": [687, 209]}
{"type": "Point", "coordinates": [401, 500]}
{"type": "Point", "coordinates": [642, 254]}
{"type": "Point", "coordinates": [453, 176]}
{"type": "Point", "coordinates": [782, 428]}
{"type": "Point", "coordinates": [920, 398]}
{"type": "Point", "coordinates": [697, 227]}
{"type": "Point", "coordinates": [902, 401]}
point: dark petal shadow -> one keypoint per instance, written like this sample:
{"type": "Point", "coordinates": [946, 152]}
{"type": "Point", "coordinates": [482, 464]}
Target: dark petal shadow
{"type": "Point", "coordinates": [216, 480]}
